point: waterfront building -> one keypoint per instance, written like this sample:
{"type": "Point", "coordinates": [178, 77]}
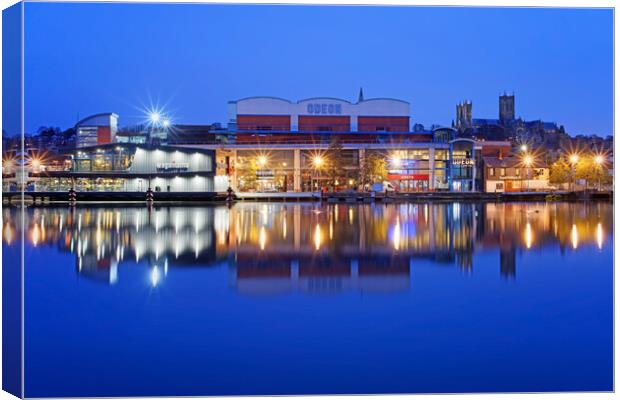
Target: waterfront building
{"type": "Point", "coordinates": [96, 129]}
{"type": "Point", "coordinates": [320, 114]}
{"type": "Point", "coordinates": [133, 168]}
{"type": "Point", "coordinates": [515, 174]}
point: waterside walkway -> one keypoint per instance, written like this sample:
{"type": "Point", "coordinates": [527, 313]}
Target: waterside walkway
{"type": "Point", "coordinates": [338, 197]}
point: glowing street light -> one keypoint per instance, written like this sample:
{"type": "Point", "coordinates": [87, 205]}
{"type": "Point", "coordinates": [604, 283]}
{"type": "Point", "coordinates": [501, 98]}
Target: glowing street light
{"type": "Point", "coordinates": [317, 161]}
{"type": "Point", "coordinates": [528, 160]}
{"type": "Point", "coordinates": [397, 162]}
{"type": "Point", "coordinates": [166, 123]}
{"type": "Point", "coordinates": [154, 117]}
{"type": "Point", "coordinates": [524, 148]}
{"type": "Point", "coordinates": [262, 161]}
{"type": "Point", "coordinates": [599, 160]}
{"type": "Point", "coordinates": [35, 163]}
{"type": "Point", "coordinates": [573, 158]}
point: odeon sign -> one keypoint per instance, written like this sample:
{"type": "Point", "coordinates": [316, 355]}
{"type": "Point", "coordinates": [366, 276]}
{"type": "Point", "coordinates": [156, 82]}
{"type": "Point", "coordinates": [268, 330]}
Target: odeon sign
{"type": "Point", "coordinates": [324, 108]}
{"type": "Point", "coordinates": [462, 161]}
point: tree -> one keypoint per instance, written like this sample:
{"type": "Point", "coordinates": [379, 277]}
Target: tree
{"type": "Point", "coordinates": [247, 173]}
{"type": "Point", "coordinates": [68, 133]}
{"type": "Point", "coordinates": [334, 160]}
{"type": "Point", "coordinates": [374, 169]}
{"type": "Point", "coordinates": [48, 131]}
{"type": "Point", "coordinates": [560, 172]}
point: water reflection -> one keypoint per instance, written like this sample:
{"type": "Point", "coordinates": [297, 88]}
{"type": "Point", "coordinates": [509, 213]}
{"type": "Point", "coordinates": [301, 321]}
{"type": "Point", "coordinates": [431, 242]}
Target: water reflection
{"type": "Point", "coordinates": [271, 248]}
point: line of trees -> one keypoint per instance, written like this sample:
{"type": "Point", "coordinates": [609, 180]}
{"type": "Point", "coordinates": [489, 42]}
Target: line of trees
{"type": "Point", "coordinates": [587, 169]}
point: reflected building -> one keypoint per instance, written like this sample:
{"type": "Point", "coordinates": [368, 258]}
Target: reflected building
{"type": "Point", "coordinates": [310, 248]}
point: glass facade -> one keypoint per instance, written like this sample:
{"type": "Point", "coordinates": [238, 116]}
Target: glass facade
{"type": "Point", "coordinates": [271, 171]}
{"type": "Point", "coordinates": [462, 165]}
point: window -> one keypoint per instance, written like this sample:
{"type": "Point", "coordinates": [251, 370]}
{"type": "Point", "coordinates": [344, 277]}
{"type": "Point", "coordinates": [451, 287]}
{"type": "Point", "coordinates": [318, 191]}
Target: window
{"type": "Point", "coordinates": [502, 171]}
{"type": "Point", "coordinates": [517, 172]}
{"type": "Point", "coordinates": [491, 171]}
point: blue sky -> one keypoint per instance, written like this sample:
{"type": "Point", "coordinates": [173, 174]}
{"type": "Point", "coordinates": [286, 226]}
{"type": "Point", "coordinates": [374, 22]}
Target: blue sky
{"type": "Point", "coordinates": [83, 59]}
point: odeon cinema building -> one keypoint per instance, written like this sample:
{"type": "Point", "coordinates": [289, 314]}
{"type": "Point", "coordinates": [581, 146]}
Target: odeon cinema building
{"type": "Point", "coordinates": [281, 145]}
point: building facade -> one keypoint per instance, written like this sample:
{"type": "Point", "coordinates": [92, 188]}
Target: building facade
{"type": "Point", "coordinates": [321, 114]}
{"type": "Point", "coordinates": [96, 129]}
{"type": "Point", "coordinates": [133, 168]}
{"type": "Point", "coordinates": [512, 174]}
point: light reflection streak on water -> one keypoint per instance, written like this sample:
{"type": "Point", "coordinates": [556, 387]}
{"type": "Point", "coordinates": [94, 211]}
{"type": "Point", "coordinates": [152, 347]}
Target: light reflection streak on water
{"type": "Point", "coordinates": [298, 230]}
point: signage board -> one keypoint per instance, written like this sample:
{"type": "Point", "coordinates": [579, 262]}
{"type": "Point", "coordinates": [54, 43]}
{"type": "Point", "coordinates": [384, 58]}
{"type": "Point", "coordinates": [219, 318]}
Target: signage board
{"type": "Point", "coordinates": [172, 166]}
{"type": "Point", "coordinates": [324, 108]}
{"type": "Point", "coordinates": [407, 177]}
{"type": "Point", "coordinates": [462, 161]}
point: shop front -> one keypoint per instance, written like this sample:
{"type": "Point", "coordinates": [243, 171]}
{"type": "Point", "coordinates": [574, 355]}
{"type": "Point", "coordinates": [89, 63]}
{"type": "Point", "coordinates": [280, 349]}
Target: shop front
{"type": "Point", "coordinates": [409, 170]}
{"type": "Point", "coordinates": [462, 165]}
{"type": "Point", "coordinates": [410, 182]}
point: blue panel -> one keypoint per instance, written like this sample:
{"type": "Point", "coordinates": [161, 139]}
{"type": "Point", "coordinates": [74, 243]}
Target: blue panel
{"type": "Point", "coordinates": [12, 255]}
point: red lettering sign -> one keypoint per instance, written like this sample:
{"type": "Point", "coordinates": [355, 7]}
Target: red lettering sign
{"type": "Point", "coordinates": [407, 177]}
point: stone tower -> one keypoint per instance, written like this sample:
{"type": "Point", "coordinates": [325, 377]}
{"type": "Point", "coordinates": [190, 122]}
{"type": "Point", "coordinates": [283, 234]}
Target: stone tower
{"type": "Point", "coordinates": [506, 108]}
{"type": "Point", "coordinates": [464, 115]}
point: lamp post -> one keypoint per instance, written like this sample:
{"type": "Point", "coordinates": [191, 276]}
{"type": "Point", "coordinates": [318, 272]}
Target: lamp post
{"type": "Point", "coordinates": [599, 160]}
{"type": "Point", "coordinates": [574, 159]}
{"type": "Point", "coordinates": [261, 162]}
{"type": "Point", "coordinates": [528, 160]}
{"type": "Point", "coordinates": [317, 161]}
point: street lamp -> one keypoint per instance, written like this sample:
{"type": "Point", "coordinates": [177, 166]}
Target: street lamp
{"type": "Point", "coordinates": [262, 161]}
{"type": "Point", "coordinates": [166, 123]}
{"type": "Point", "coordinates": [35, 163]}
{"type": "Point", "coordinates": [574, 159]}
{"type": "Point", "coordinates": [317, 161]}
{"type": "Point", "coordinates": [397, 162]}
{"type": "Point", "coordinates": [524, 148]}
{"type": "Point", "coordinates": [154, 117]}
{"type": "Point", "coordinates": [528, 160]}
{"type": "Point", "coordinates": [599, 160]}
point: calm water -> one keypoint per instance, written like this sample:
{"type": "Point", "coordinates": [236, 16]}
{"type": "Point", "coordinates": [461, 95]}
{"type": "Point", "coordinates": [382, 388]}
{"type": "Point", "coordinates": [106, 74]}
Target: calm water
{"type": "Point", "coordinates": [294, 298]}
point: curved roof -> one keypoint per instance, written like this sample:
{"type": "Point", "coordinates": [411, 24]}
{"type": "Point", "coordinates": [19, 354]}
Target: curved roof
{"type": "Point", "coordinates": [323, 98]}
{"type": "Point", "coordinates": [263, 97]}
{"type": "Point", "coordinates": [384, 98]}
{"type": "Point", "coordinates": [108, 114]}
{"type": "Point", "coordinates": [319, 98]}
